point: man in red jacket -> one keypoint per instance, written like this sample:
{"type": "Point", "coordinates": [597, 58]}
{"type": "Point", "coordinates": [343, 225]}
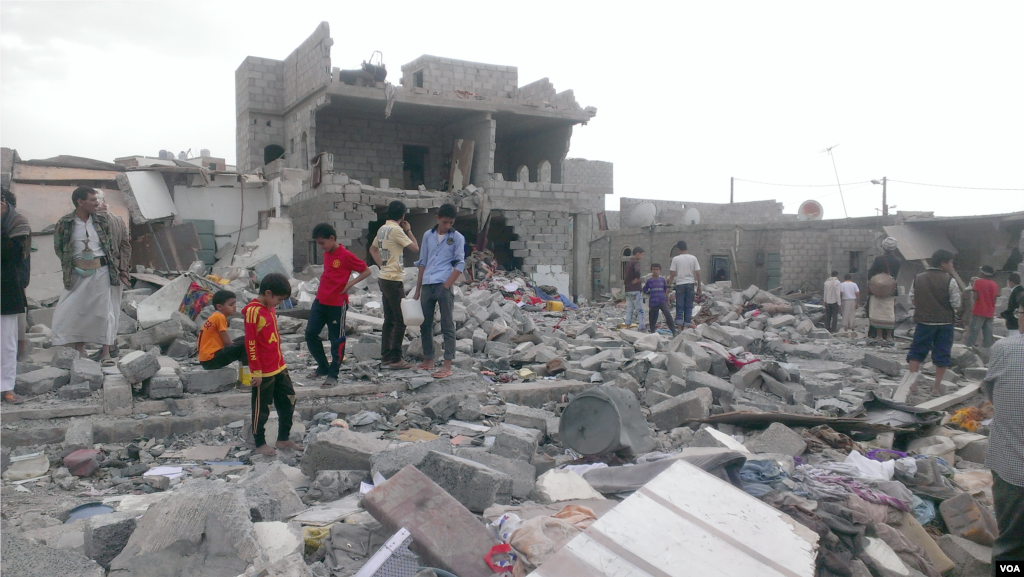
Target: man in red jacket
{"type": "Point", "coordinates": [984, 308]}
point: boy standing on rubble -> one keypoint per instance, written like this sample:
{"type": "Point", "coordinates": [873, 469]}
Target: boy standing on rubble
{"type": "Point", "coordinates": [387, 249]}
{"type": "Point", "coordinates": [634, 298]}
{"type": "Point", "coordinates": [684, 275]}
{"type": "Point", "coordinates": [270, 379]}
{"type": "Point", "coordinates": [331, 303]}
{"type": "Point", "coordinates": [442, 260]}
{"type": "Point", "coordinates": [657, 288]}
{"type": "Point", "coordinates": [850, 293]}
{"type": "Point", "coordinates": [984, 309]}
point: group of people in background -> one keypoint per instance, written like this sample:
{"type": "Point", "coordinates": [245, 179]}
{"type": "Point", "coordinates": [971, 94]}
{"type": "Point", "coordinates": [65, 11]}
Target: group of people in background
{"type": "Point", "coordinates": [683, 278]}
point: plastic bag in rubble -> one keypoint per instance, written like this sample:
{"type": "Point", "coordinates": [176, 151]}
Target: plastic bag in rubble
{"type": "Point", "coordinates": [504, 526]}
{"type": "Point", "coordinates": [541, 537]}
{"type": "Point", "coordinates": [364, 418]}
{"type": "Point", "coordinates": [197, 268]}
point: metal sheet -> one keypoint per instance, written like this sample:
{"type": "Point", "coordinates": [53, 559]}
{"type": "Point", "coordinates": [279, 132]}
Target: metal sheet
{"type": "Point", "coordinates": [149, 191]}
{"type": "Point", "coordinates": [178, 243]}
{"type": "Point", "coordinates": [918, 243]}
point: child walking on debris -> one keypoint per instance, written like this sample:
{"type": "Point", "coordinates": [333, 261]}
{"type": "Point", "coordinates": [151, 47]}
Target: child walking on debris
{"type": "Point", "coordinates": [657, 288]}
{"type": "Point", "coordinates": [270, 379]}
{"type": "Point", "coordinates": [387, 250]}
{"type": "Point", "coordinates": [331, 303]}
{"type": "Point", "coordinates": [442, 260]}
{"type": "Point", "coordinates": [851, 295]}
{"type": "Point", "coordinates": [216, 349]}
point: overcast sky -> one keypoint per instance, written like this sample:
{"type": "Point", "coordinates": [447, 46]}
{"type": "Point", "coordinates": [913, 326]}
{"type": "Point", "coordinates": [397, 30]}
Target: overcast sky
{"type": "Point", "coordinates": [688, 94]}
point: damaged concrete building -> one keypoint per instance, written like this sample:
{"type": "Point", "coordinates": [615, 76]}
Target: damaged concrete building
{"type": "Point", "coordinates": [756, 243]}
{"type": "Point", "coordinates": [450, 130]}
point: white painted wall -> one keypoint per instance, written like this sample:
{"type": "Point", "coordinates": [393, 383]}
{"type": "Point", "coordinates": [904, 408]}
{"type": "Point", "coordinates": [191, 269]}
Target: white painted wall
{"type": "Point", "coordinates": [275, 239]}
{"type": "Point", "coordinates": [222, 202]}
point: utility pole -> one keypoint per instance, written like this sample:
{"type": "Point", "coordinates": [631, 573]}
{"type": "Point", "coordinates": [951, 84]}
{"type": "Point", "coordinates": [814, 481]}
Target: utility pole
{"type": "Point", "coordinates": [731, 182]}
{"type": "Point", "coordinates": [885, 203]}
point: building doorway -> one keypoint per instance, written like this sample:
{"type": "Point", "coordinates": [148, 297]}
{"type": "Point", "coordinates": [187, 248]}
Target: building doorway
{"type": "Point", "coordinates": [773, 266]}
{"type": "Point", "coordinates": [719, 268]}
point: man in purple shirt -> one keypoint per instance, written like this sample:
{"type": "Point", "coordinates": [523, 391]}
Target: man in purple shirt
{"type": "Point", "coordinates": [657, 288]}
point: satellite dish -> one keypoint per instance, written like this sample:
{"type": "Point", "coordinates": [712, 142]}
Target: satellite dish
{"type": "Point", "coordinates": [810, 210]}
{"type": "Point", "coordinates": [691, 216]}
{"type": "Point", "coordinates": [643, 215]}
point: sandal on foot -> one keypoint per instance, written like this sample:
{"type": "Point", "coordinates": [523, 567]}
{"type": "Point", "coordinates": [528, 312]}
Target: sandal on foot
{"type": "Point", "coordinates": [441, 374]}
{"type": "Point", "coordinates": [400, 367]}
{"type": "Point", "coordinates": [329, 382]}
{"type": "Point", "coordinates": [108, 363]}
{"type": "Point", "coordinates": [13, 398]}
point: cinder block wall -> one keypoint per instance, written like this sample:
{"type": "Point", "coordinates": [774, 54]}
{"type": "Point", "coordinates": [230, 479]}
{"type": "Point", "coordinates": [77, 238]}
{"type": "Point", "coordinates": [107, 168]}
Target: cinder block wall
{"type": "Point", "coordinates": [308, 67]}
{"type": "Point", "coordinates": [259, 100]}
{"type": "Point", "coordinates": [592, 175]}
{"type": "Point", "coordinates": [448, 75]}
{"type": "Point", "coordinates": [366, 146]}
{"type": "Point", "coordinates": [804, 259]}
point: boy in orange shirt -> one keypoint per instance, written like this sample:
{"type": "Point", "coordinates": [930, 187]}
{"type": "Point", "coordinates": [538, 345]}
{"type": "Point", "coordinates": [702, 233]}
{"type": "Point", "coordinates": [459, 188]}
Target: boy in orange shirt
{"type": "Point", "coordinates": [270, 380]}
{"type": "Point", "coordinates": [216, 349]}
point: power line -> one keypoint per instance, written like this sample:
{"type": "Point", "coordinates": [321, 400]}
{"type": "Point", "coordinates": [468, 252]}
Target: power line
{"type": "Point", "coordinates": [829, 149]}
{"type": "Point", "coordinates": [951, 186]}
{"type": "Point", "coordinates": [804, 185]}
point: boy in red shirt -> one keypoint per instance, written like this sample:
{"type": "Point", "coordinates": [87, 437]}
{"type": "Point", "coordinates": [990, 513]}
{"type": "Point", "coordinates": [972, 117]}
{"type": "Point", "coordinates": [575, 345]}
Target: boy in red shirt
{"type": "Point", "coordinates": [331, 303]}
{"type": "Point", "coordinates": [984, 309]}
{"type": "Point", "coordinates": [270, 380]}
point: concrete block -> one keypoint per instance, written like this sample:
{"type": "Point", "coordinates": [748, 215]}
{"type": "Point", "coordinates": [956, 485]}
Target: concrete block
{"type": "Point", "coordinates": [87, 371]}
{"type": "Point", "coordinates": [117, 395]}
{"type": "Point", "coordinates": [780, 321]}
{"type": "Point", "coordinates": [777, 438]}
{"type": "Point", "coordinates": [536, 393]}
{"type": "Point", "coordinates": [793, 393]}
{"type": "Point", "coordinates": [523, 474]}
{"type": "Point", "coordinates": [887, 365]}
{"type": "Point", "coordinates": [975, 373]}
{"type": "Point", "coordinates": [41, 381]}
{"type": "Point", "coordinates": [442, 408]}
{"type": "Point", "coordinates": [746, 376]}
{"type": "Point", "coordinates": [700, 356]}
{"type": "Point", "coordinates": [528, 417]}
{"type": "Point", "coordinates": [79, 434]}
{"type": "Point", "coordinates": [126, 325]}
{"type": "Point", "coordinates": [138, 366]}
{"type": "Point", "coordinates": [106, 535]}
{"type": "Point", "coordinates": [445, 533]}
{"type": "Point", "coordinates": [75, 392]}
{"type": "Point", "coordinates": [63, 357]}
{"type": "Point", "coordinates": [338, 449]}
{"type": "Point", "coordinates": [809, 351]}
{"type": "Point", "coordinates": [719, 387]}
{"type": "Point", "coordinates": [676, 411]}
{"type": "Point", "coordinates": [215, 381]}
{"type": "Point", "coordinates": [163, 385]}
{"type": "Point", "coordinates": [515, 442]}
{"type": "Point", "coordinates": [83, 462]}
{"type": "Point", "coordinates": [593, 362]}
{"type": "Point", "coordinates": [971, 559]}
{"type": "Point", "coordinates": [679, 365]}
{"type": "Point", "coordinates": [473, 484]}
{"type": "Point", "coordinates": [391, 461]}
{"type": "Point", "coordinates": [333, 485]}
{"type": "Point", "coordinates": [179, 349]}
{"type": "Point", "coordinates": [497, 350]}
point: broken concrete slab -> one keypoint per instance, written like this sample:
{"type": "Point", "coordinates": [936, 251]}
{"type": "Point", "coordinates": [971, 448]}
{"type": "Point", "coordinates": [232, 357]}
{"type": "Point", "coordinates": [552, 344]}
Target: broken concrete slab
{"type": "Point", "coordinates": [75, 392]}
{"type": "Point", "coordinates": [205, 382]}
{"type": "Point", "coordinates": [442, 408]}
{"type": "Point", "coordinates": [79, 434]}
{"type": "Point", "coordinates": [106, 535]}
{"type": "Point", "coordinates": [274, 479]}
{"type": "Point", "coordinates": [523, 474]}
{"type": "Point", "coordinates": [777, 438]}
{"type": "Point", "coordinates": [163, 385]}
{"type": "Point", "coordinates": [528, 417]}
{"type": "Point", "coordinates": [473, 484]}
{"type": "Point", "coordinates": [536, 393]}
{"type": "Point", "coordinates": [393, 460]}
{"type": "Point", "coordinates": [202, 528]}
{"type": "Point", "coordinates": [87, 371]}
{"type": "Point", "coordinates": [138, 366]}
{"type": "Point", "coordinates": [445, 534]}
{"type": "Point", "coordinates": [340, 448]}
{"type": "Point", "coordinates": [678, 410]}
{"type": "Point", "coordinates": [63, 357]}
{"type": "Point", "coordinates": [515, 442]}
{"type": "Point", "coordinates": [41, 381]}
{"type": "Point", "coordinates": [333, 485]}
{"type": "Point", "coordinates": [24, 557]}
{"type": "Point", "coordinates": [720, 388]}
{"type": "Point", "coordinates": [746, 376]}
{"type": "Point", "coordinates": [117, 395]}
{"type": "Point", "coordinates": [887, 365]}
{"type": "Point", "coordinates": [971, 559]}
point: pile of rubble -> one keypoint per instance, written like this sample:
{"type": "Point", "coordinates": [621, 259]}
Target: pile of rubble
{"type": "Point", "coordinates": [551, 420]}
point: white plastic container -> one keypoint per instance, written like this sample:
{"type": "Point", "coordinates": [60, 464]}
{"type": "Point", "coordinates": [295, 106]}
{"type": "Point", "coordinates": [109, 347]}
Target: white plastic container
{"type": "Point", "coordinates": [412, 312]}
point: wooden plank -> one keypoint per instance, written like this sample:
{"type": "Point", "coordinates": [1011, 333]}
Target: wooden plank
{"type": "Point", "coordinates": [951, 399]}
{"type": "Point", "coordinates": [60, 174]}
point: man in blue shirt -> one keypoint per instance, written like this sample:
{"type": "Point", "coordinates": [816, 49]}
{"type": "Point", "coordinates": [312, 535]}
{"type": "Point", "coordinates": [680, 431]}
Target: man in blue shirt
{"type": "Point", "coordinates": [442, 260]}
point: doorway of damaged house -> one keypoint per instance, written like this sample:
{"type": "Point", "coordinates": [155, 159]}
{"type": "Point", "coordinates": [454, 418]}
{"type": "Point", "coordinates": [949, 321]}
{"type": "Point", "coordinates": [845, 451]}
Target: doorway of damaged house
{"type": "Point", "coordinates": [497, 235]}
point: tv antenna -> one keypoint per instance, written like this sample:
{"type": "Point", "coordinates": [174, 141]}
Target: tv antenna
{"type": "Point", "coordinates": [829, 151]}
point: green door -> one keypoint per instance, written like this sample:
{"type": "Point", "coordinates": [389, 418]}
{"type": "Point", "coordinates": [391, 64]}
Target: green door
{"type": "Point", "coordinates": [773, 264]}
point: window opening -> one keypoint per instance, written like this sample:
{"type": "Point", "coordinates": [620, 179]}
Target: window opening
{"type": "Point", "coordinates": [417, 79]}
{"type": "Point", "coordinates": [264, 217]}
{"type": "Point", "coordinates": [414, 165]}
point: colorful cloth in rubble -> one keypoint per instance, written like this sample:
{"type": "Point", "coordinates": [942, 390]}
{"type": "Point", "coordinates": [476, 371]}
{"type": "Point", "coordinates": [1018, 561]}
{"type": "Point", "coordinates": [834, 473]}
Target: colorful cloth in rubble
{"type": "Point", "coordinates": [196, 299]}
{"type": "Point", "coordinates": [820, 484]}
{"type": "Point", "coordinates": [566, 301]}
